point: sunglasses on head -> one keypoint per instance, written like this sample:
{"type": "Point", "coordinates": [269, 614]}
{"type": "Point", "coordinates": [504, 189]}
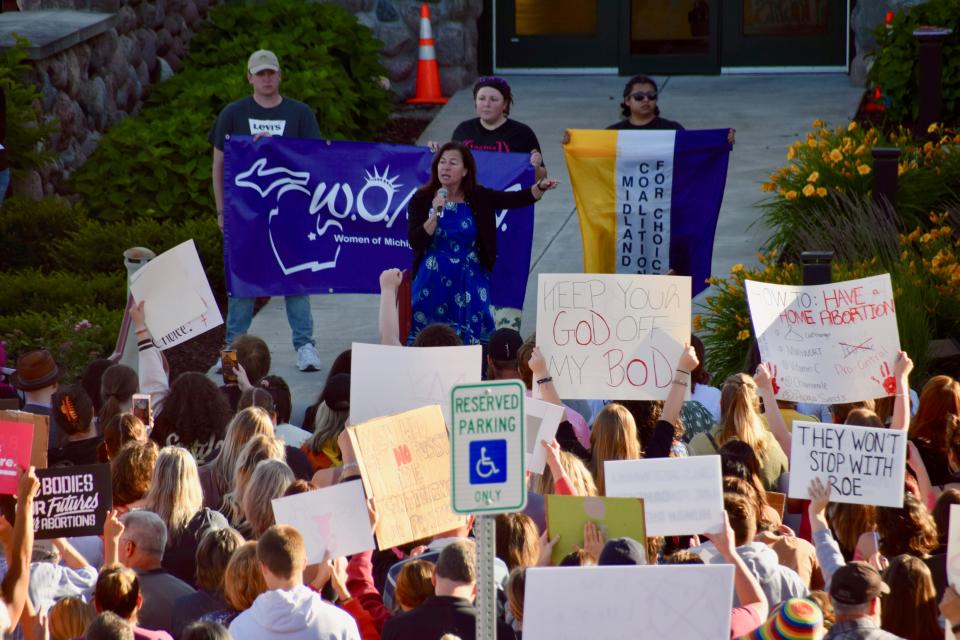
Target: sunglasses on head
{"type": "Point", "coordinates": [640, 95]}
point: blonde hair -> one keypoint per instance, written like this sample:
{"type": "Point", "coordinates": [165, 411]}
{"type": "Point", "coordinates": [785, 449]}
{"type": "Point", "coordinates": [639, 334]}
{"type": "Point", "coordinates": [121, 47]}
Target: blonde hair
{"type": "Point", "coordinates": [270, 480]}
{"type": "Point", "coordinates": [175, 492]}
{"type": "Point", "coordinates": [577, 472]}
{"type": "Point", "coordinates": [518, 540]}
{"type": "Point", "coordinates": [613, 437]}
{"type": "Point", "coordinates": [740, 414]}
{"type": "Point", "coordinates": [259, 448]}
{"type": "Point", "coordinates": [243, 580]}
{"type": "Point", "coordinates": [69, 618]}
{"type": "Point", "coordinates": [327, 425]}
{"type": "Point", "coordinates": [117, 590]}
{"type": "Point", "coordinates": [242, 427]}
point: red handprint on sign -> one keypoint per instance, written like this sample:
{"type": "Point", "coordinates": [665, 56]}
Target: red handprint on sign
{"type": "Point", "coordinates": [773, 379]}
{"type": "Point", "coordinates": [889, 384]}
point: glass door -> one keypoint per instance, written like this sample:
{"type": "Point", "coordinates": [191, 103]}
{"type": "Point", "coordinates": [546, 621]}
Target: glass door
{"type": "Point", "coordinates": [784, 33]}
{"type": "Point", "coordinates": [669, 36]}
{"type": "Point", "coordinates": [556, 34]}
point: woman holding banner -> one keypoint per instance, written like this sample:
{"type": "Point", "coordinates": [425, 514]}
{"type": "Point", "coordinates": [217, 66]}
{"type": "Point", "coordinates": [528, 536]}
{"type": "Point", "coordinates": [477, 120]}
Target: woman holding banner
{"type": "Point", "coordinates": [452, 231]}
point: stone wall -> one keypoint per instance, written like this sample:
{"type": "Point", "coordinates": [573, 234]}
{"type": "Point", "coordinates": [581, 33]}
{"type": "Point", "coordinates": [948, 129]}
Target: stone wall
{"type": "Point", "coordinates": [93, 84]}
{"type": "Point", "coordinates": [867, 16]}
{"type": "Point", "coordinates": [396, 23]}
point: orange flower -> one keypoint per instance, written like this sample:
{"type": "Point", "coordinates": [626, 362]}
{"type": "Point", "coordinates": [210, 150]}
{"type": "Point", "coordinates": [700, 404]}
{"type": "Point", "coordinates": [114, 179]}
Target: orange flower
{"type": "Point", "coordinates": [809, 190]}
{"type": "Point", "coordinates": [836, 155]}
{"type": "Point", "coordinates": [863, 169]}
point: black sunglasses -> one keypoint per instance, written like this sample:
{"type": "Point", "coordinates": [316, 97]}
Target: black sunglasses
{"type": "Point", "coordinates": [640, 95]}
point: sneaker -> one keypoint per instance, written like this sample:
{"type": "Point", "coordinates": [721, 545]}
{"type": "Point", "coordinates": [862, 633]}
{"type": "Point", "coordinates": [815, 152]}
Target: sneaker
{"type": "Point", "coordinates": [308, 358]}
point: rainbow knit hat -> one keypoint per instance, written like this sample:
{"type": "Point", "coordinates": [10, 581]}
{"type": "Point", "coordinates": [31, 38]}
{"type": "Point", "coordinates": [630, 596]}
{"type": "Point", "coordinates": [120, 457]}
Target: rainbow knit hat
{"type": "Point", "coordinates": [795, 619]}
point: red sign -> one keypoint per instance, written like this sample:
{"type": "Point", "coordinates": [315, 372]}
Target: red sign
{"type": "Point", "coordinates": [16, 443]}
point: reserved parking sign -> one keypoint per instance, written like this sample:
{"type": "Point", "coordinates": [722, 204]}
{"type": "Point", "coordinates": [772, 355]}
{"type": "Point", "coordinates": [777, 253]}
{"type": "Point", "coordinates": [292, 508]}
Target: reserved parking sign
{"type": "Point", "coordinates": [487, 448]}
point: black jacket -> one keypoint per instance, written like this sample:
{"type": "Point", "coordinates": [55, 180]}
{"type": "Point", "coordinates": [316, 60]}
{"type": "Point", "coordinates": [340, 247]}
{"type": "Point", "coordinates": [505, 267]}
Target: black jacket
{"type": "Point", "coordinates": [437, 616]}
{"type": "Point", "coordinates": [483, 202]}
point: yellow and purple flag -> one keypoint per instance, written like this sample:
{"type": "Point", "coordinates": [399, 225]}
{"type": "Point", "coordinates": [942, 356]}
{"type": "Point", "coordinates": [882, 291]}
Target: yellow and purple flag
{"type": "Point", "coordinates": [648, 201]}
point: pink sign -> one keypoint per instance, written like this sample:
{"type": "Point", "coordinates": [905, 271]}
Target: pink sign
{"type": "Point", "coordinates": [16, 443]}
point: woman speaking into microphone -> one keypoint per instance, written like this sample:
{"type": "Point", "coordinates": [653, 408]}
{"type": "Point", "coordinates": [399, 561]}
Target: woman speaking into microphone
{"type": "Point", "coordinates": [453, 233]}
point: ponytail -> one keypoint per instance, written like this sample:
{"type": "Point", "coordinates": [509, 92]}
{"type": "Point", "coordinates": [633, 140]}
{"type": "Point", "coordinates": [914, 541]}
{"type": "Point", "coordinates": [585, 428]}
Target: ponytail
{"type": "Point", "coordinates": [740, 414]}
{"type": "Point", "coordinates": [117, 387]}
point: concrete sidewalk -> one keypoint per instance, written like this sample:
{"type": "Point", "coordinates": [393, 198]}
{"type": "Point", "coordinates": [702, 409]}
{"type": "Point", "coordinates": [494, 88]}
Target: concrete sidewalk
{"type": "Point", "coordinates": [768, 112]}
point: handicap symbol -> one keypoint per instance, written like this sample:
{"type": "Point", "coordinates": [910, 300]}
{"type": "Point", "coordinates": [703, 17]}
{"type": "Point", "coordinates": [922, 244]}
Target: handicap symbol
{"type": "Point", "coordinates": [488, 461]}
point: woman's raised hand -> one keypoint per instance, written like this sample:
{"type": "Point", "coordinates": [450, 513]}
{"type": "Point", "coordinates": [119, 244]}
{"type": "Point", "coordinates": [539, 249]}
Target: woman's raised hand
{"type": "Point", "coordinates": [390, 279]}
{"type": "Point", "coordinates": [688, 359]}
{"type": "Point", "coordinates": [547, 184]}
{"type": "Point", "coordinates": [763, 377]}
{"type": "Point", "coordinates": [537, 363]}
{"type": "Point", "coordinates": [536, 159]}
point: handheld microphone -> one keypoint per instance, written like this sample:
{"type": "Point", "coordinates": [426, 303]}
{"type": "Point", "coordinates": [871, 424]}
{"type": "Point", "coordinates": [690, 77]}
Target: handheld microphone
{"type": "Point", "coordinates": [441, 192]}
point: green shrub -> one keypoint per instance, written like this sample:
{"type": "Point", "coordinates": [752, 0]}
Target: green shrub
{"type": "Point", "coordinates": [895, 68]}
{"type": "Point", "coordinates": [28, 227]}
{"type": "Point", "coordinates": [98, 248]}
{"type": "Point", "coordinates": [74, 335]}
{"type": "Point", "coordinates": [26, 129]}
{"type": "Point", "coordinates": [159, 163]}
{"type": "Point", "coordinates": [839, 162]}
{"type": "Point", "coordinates": [31, 290]}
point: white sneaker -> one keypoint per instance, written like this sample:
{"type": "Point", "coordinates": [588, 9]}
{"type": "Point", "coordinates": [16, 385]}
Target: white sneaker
{"type": "Point", "coordinates": [308, 358]}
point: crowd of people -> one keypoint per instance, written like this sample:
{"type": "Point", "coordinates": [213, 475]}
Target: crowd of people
{"type": "Point", "coordinates": [191, 550]}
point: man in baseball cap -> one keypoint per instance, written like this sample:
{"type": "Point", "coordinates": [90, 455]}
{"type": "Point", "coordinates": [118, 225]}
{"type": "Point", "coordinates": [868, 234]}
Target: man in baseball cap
{"type": "Point", "coordinates": [855, 591]}
{"type": "Point", "coordinates": [265, 113]}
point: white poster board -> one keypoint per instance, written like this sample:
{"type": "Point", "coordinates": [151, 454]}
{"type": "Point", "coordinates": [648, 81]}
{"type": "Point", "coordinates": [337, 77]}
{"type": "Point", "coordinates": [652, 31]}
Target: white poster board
{"type": "Point", "coordinates": [679, 602]}
{"type": "Point", "coordinates": [953, 554]}
{"type": "Point", "coordinates": [827, 343]}
{"type": "Point", "coordinates": [681, 496]}
{"type": "Point", "coordinates": [609, 336]}
{"type": "Point", "coordinates": [389, 379]}
{"type": "Point", "coordinates": [543, 418]}
{"type": "Point", "coordinates": [332, 519]}
{"type": "Point", "coordinates": [863, 465]}
{"type": "Point", "coordinates": [179, 302]}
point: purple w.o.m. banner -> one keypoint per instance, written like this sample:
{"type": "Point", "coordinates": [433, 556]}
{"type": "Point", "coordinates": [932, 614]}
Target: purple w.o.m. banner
{"type": "Point", "coordinates": [321, 216]}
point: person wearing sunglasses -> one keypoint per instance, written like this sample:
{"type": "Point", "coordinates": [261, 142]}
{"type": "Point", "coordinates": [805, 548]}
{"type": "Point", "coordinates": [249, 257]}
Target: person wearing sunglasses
{"type": "Point", "coordinates": [640, 110]}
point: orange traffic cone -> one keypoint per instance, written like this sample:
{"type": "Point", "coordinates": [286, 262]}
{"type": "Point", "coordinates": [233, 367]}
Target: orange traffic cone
{"type": "Point", "coordinates": [428, 73]}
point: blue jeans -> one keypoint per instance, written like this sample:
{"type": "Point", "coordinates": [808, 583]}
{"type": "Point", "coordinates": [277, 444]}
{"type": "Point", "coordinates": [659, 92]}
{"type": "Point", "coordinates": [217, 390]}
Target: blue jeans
{"type": "Point", "coordinates": [240, 315]}
{"type": "Point", "coordinates": [4, 183]}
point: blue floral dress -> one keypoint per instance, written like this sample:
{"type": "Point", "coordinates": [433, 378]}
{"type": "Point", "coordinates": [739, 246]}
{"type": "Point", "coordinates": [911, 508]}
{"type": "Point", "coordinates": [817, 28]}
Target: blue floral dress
{"type": "Point", "coordinates": [451, 286]}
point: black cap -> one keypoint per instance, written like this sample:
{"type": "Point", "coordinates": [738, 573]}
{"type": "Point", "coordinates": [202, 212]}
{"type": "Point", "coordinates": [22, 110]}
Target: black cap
{"type": "Point", "coordinates": [504, 345]}
{"type": "Point", "coordinates": [336, 394]}
{"type": "Point", "coordinates": [622, 551]}
{"type": "Point", "coordinates": [857, 583]}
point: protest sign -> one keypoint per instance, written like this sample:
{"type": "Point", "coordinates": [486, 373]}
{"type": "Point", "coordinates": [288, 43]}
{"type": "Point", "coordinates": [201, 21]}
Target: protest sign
{"type": "Point", "coordinates": [16, 442]}
{"type": "Point", "coordinates": [179, 302]}
{"type": "Point", "coordinates": [612, 336]}
{"type": "Point", "coordinates": [681, 496]}
{"type": "Point", "coordinates": [828, 343]}
{"type": "Point", "coordinates": [388, 380]}
{"type": "Point", "coordinates": [862, 465]}
{"type": "Point", "coordinates": [679, 602]}
{"type": "Point", "coordinates": [333, 519]}
{"type": "Point", "coordinates": [953, 553]}
{"type": "Point", "coordinates": [543, 418]}
{"type": "Point", "coordinates": [404, 461]}
{"type": "Point", "coordinates": [41, 434]}
{"type": "Point", "coordinates": [72, 501]}
{"type": "Point", "coordinates": [615, 517]}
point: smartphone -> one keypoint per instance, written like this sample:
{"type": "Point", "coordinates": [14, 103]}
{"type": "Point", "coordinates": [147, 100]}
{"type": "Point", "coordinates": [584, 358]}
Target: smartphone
{"type": "Point", "coordinates": [228, 359]}
{"type": "Point", "coordinates": [141, 408]}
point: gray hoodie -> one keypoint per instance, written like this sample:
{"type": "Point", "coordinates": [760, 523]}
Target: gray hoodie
{"type": "Point", "coordinates": [778, 582]}
{"type": "Point", "coordinates": [297, 614]}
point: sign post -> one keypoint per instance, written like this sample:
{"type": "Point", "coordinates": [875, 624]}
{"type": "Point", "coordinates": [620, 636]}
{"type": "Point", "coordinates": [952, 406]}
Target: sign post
{"type": "Point", "coordinates": [488, 473]}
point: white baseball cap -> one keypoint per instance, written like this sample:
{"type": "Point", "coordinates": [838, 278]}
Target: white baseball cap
{"type": "Point", "coordinates": [263, 59]}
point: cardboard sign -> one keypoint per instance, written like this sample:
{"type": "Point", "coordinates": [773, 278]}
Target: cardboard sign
{"type": "Point", "coordinates": [863, 465]}
{"type": "Point", "coordinates": [777, 501]}
{"type": "Point", "coordinates": [41, 434]}
{"type": "Point", "coordinates": [16, 442]}
{"type": "Point", "coordinates": [404, 461]}
{"type": "Point", "coordinates": [333, 519]}
{"type": "Point", "coordinates": [612, 336]}
{"type": "Point", "coordinates": [828, 343]}
{"type": "Point", "coordinates": [681, 496]}
{"type": "Point", "coordinates": [72, 501]}
{"type": "Point", "coordinates": [616, 518]}
{"type": "Point", "coordinates": [389, 380]}
{"type": "Point", "coordinates": [679, 602]}
{"type": "Point", "coordinates": [543, 419]}
{"type": "Point", "coordinates": [179, 302]}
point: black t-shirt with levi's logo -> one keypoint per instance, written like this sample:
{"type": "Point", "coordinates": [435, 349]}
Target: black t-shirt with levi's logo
{"type": "Point", "coordinates": [290, 118]}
